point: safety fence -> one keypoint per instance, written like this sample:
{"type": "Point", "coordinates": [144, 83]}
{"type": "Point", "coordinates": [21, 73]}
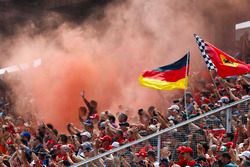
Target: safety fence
{"type": "Point", "coordinates": [192, 133]}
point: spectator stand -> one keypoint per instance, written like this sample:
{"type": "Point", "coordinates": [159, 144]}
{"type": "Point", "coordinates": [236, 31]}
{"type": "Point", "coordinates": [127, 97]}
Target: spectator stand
{"type": "Point", "coordinates": [166, 143]}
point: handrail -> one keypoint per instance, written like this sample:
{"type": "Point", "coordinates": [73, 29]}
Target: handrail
{"type": "Point", "coordinates": [161, 132]}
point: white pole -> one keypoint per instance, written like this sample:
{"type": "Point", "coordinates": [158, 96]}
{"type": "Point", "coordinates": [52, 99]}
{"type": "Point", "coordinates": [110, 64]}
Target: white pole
{"type": "Point", "coordinates": [229, 120]}
{"type": "Point", "coordinates": [159, 148]}
{"type": "Point", "coordinates": [186, 83]}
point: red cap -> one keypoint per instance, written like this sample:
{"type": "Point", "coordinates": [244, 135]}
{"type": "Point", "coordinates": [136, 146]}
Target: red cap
{"type": "Point", "coordinates": [106, 138]}
{"type": "Point", "coordinates": [95, 116]}
{"type": "Point", "coordinates": [57, 146]}
{"type": "Point", "coordinates": [50, 142]}
{"type": "Point", "coordinates": [9, 142]}
{"type": "Point", "coordinates": [188, 150]}
{"type": "Point", "coordinates": [206, 100]}
{"type": "Point", "coordinates": [229, 144]}
{"type": "Point", "coordinates": [141, 154]}
{"type": "Point", "coordinates": [181, 148]}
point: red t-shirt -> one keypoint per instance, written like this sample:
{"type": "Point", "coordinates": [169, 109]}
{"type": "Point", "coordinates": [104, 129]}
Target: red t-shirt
{"type": "Point", "coordinates": [63, 157]}
{"type": "Point", "coordinates": [109, 147]}
{"type": "Point", "coordinates": [191, 163]}
{"type": "Point", "coordinates": [182, 162]}
{"type": "Point", "coordinates": [121, 141]}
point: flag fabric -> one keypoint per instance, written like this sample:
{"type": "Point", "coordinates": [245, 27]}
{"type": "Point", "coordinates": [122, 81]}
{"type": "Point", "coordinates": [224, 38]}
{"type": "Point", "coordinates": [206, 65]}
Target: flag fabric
{"type": "Point", "coordinates": [208, 61]}
{"type": "Point", "coordinates": [220, 61]}
{"type": "Point", "coordinates": [169, 77]}
{"type": "Point", "coordinates": [226, 65]}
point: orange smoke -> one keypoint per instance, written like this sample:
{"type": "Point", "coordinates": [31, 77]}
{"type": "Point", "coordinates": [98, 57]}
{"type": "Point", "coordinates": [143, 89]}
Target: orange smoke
{"type": "Point", "coordinates": [105, 57]}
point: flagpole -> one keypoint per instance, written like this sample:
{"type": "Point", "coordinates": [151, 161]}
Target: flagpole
{"type": "Point", "coordinates": [185, 83]}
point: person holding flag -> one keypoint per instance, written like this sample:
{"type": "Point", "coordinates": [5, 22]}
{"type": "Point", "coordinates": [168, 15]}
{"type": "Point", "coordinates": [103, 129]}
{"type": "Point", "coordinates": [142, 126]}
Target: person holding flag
{"type": "Point", "coordinates": [169, 77]}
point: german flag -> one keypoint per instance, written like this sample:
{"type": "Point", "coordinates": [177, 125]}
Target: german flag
{"type": "Point", "coordinates": [169, 77]}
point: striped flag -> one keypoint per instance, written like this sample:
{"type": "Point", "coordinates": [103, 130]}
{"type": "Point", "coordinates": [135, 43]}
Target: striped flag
{"type": "Point", "coordinates": [169, 77]}
{"type": "Point", "coordinates": [202, 47]}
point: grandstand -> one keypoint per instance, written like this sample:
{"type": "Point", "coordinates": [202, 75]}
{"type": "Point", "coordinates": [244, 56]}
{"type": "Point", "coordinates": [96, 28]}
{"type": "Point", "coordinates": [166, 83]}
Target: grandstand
{"type": "Point", "coordinates": [207, 126]}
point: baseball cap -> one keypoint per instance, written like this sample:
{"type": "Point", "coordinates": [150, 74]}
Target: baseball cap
{"type": "Point", "coordinates": [141, 153]}
{"type": "Point", "coordinates": [181, 148]}
{"type": "Point", "coordinates": [9, 142]}
{"type": "Point", "coordinates": [223, 149]}
{"type": "Point", "coordinates": [124, 124]}
{"type": "Point", "coordinates": [214, 147]}
{"type": "Point", "coordinates": [65, 147]}
{"type": "Point", "coordinates": [224, 99]}
{"type": "Point", "coordinates": [94, 116]}
{"type": "Point", "coordinates": [245, 154]}
{"type": "Point", "coordinates": [189, 94]}
{"type": "Point", "coordinates": [88, 123]}
{"type": "Point", "coordinates": [115, 144]}
{"type": "Point", "coordinates": [87, 146]}
{"type": "Point", "coordinates": [174, 107]}
{"type": "Point", "coordinates": [25, 134]}
{"type": "Point", "coordinates": [229, 144]}
{"type": "Point", "coordinates": [102, 125]}
{"type": "Point", "coordinates": [57, 146]}
{"type": "Point", "coordinates": [188, 150]}
{"type": "Point", "coordinates": [241, 145]}
{"type": "Point", "coordinates": [106, 138]}
{"type": "Point", "coordinates": [86, 134]}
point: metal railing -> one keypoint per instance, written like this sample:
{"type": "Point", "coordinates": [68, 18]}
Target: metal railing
{"type": "Point", "coordinates": [226, 108]}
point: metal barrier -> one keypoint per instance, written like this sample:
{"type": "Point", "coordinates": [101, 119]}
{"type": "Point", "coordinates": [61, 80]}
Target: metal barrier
{"type": "Point", "coordinates": [167, 140]}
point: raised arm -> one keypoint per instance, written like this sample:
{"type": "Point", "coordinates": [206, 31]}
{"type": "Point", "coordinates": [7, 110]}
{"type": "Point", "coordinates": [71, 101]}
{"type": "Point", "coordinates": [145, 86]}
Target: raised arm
{"type": "Point", "coordinates": [232, 96]}
{"type": "Point", "coordinates": [72, 129]}
{"type": "Point", "coordinates": [85, 100]}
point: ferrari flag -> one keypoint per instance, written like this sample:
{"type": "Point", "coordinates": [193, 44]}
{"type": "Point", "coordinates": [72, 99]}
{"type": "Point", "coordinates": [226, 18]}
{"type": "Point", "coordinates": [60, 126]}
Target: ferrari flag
{"type": "Point", "coordinates": [169, 77]}
{"type": "Point", "coordinates": [220, 61]}
{"type": "Point", "coordinates": [225, 64]}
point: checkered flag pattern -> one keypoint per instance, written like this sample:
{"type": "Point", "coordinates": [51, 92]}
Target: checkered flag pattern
{"type": "Point", "coordinates": [202, 44]}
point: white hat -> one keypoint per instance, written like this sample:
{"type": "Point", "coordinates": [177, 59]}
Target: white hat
{"type": "Point", "coordinates": [241, 145]}
{"type": "Point", "coordinates": [174, 107]}
{"type": "Point", "coordinates": [115, 144]}
{"type": "Point", "coordinates": [86, 134]}
{"type": "Point", "coordinates": [214, 147]}
{"type": "Point", "coordinates": [224, 99]}
{"type": "Point", "coordinates": [245, 154]}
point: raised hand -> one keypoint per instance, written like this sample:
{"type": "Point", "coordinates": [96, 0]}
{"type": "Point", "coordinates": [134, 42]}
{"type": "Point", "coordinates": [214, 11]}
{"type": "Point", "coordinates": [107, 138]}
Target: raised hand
{"type": "Point", "coordinates": [82, 94]}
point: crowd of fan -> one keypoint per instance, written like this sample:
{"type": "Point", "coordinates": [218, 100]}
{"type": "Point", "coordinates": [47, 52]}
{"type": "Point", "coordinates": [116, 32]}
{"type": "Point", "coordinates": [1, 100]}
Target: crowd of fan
{"type": "Point", "coordinates": [203, 143]}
